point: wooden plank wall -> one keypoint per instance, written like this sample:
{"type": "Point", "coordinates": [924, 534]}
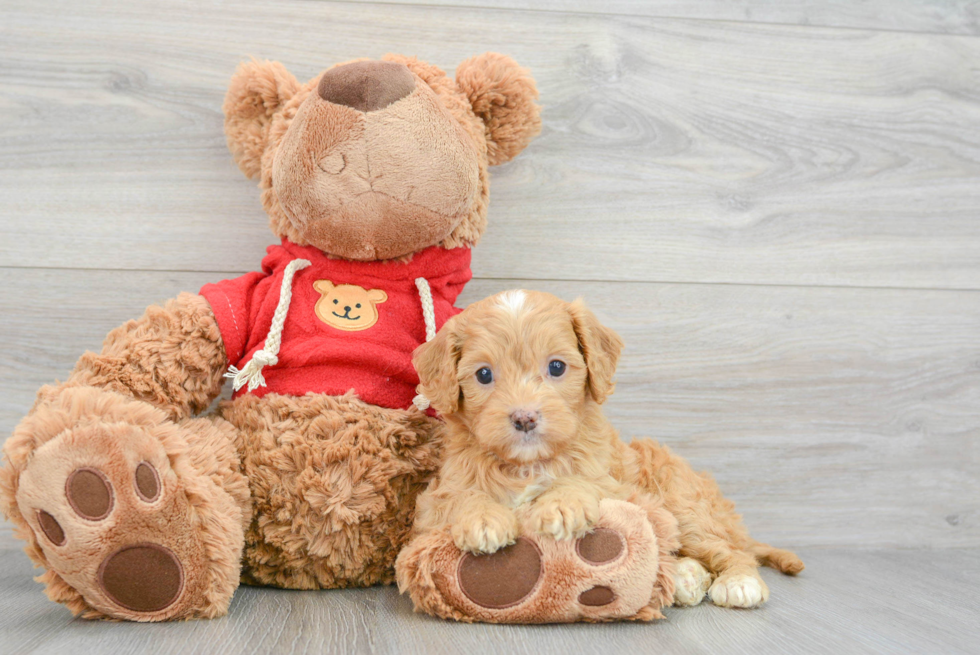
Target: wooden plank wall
{"type": "Point", "coordinates": [782, 217]}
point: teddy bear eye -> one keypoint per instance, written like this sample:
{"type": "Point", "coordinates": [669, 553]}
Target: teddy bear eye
{"type": "Point", "coordinates": [556, 368]}
{"type": "Point", "coordinates": [336, 302]}
{"type": "Point", "coordinates": [484, 375]}
{"type": "Point", "coordinates": [358, 305]}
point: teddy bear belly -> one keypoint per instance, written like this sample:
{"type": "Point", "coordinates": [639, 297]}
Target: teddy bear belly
{"type": "Point", "coordinates": [333, 482]}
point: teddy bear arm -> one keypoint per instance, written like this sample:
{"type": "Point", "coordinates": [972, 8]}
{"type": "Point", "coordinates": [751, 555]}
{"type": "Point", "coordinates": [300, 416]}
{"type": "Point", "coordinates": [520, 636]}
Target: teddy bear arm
{"type": "Point", "coordinates": [172, 357]}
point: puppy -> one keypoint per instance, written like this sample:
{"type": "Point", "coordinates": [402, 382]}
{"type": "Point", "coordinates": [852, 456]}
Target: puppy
{"type": "Point", "coordinates": [519, 379]}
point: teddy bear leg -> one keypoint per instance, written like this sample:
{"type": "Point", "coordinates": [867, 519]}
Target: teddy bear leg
{"type": "Point", "coordinates": [333, 483]}
{"type": "Point", "coordinates": [134, 516]}
{"type": "Point", "coordinates": [623, 569]}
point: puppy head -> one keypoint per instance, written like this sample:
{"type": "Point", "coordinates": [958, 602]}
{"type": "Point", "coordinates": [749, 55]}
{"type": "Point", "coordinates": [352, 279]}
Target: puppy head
{"type": "Point", "coordinates": [519, 371]}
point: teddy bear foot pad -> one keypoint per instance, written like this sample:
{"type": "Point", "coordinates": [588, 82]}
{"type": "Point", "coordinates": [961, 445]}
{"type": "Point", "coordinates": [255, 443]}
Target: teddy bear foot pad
{"type": "Point", "coordinates": [612, 573]}
{"type": "Point", "coordinates": [119, 527]}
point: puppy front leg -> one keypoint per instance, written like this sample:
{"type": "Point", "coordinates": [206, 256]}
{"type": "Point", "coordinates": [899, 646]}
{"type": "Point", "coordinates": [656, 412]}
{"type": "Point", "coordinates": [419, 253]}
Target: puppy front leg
{"type": "Point", "coordinates": [482, 525]}
{"type": "Point", "coordinates": [568, 510]}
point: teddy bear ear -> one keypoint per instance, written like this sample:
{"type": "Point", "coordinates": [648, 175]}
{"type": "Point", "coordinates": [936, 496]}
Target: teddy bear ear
{"type": "Point", "coordinates": [258, 89]}
{"type": "Point", "coordinates": [503, 95]}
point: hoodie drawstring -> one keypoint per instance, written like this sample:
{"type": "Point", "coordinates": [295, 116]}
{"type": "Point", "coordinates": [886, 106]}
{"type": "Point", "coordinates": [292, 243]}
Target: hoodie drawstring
{"type": "Point", "coordinates": [251, 373]}
{"type": "Point", "coordinates": [429, 315]}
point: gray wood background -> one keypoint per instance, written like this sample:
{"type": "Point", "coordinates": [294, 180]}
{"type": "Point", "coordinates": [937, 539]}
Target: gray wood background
{"type": "Point", "coordinates": [776, 203]}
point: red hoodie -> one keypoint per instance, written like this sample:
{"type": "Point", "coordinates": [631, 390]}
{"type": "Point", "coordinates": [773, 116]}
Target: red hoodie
{"type": "Point", "coordinates": [349, 325]}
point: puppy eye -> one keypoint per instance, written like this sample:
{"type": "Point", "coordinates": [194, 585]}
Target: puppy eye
{"type": "Point", "coordinates": [484, 375]}
{"type": "Point", "coordinates": [336, 302]}
{"type": "Point", "coordinates": [556, 368]}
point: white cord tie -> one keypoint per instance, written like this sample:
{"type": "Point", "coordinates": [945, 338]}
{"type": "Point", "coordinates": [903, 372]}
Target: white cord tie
{"type": "Point", "coordinates": [268, 355]}
{"type": "Point", "coordinates": [429, 315]}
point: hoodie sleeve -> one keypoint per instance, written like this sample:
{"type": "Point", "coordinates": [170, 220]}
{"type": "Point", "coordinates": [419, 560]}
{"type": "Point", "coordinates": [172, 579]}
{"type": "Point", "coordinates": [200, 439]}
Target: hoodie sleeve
{"type": "Point", "coordinates": [231, 302]}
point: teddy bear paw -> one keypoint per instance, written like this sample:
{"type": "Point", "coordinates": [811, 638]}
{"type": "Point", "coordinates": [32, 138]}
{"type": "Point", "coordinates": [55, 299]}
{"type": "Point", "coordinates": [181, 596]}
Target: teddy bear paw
{"type": "Point", "coordinates": [114, 521]}
{"type": "Point", "coordinates": [691, 582]}
{"type": "Point", "coordinates": [738, 590]}
{"type": "Point", "coordinates": [610, 573]}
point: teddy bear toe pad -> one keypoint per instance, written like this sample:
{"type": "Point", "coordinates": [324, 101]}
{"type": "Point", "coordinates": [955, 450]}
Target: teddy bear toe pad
{"type": "Point", "coordinates": [600, 546]}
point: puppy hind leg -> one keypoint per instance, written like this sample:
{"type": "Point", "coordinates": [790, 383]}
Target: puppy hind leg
{"type": "Point", "coordinates": [738, 583]}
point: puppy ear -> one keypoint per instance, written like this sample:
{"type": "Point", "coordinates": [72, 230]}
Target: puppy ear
{"type": "Point", "coordinates": [436, 363]}
{"type": "Point", "coordinates": [503, 96]}
{"type": "Point", "coordinates": [601, 348]}
{"type": "Point", "coordinates": [257, 91]}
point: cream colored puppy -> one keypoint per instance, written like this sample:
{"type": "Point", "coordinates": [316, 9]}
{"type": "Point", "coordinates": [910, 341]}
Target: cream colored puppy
{"type": "Point", "coordinates": [520, 379]}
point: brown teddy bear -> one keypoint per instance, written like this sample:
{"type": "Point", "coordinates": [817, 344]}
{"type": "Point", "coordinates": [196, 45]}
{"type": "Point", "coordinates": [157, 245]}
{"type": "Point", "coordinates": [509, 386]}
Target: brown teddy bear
{"type": "Point", "coordinates": [374, 175]}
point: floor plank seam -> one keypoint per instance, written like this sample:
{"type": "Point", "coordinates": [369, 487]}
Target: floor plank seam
{"type": "Point", "coordinates": [544, 280]}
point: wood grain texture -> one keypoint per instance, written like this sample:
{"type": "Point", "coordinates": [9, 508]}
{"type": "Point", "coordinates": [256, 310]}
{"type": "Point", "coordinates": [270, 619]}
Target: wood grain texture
{"type": "Point", "coordinates": [940, 16]}
{"type": "Point", "coordinates": [844, 417]}
{"type": "Point", "coordinates": [846, 601]}
{"type": "Point", "coordinates": [672, 151]}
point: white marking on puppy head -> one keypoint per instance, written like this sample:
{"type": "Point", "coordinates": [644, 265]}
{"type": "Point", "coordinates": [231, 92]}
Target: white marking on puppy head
{"type": "Point", "coordinates": [512, 301]}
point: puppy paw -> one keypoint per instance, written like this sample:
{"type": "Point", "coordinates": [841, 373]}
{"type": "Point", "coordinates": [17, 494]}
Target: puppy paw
{"type": "Point", "coordinates": [564, 518]}
{"type": "Point", "coordinates": [738, 590]}
{"type": "Point", "coordinates": [691, 581]}
{"type": "Point", "coordinates": [486, 531]}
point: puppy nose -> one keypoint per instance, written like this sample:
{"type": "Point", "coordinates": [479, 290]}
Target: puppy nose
{"type": "Point", "coordinates": [524, 420]}
{"type": "Point", "coordinates": [366, 85]}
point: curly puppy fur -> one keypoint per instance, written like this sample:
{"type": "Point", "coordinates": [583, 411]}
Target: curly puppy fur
{"type": "Point", "coordinates": [522, 430]}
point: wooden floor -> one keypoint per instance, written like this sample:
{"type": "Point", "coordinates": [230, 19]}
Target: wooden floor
{"type": "Point", "coordinates": [776, 203]}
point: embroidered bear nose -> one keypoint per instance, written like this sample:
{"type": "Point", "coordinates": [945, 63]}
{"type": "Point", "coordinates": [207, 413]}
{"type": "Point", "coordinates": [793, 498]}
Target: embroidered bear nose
{"type": "Point", "coordinates": [366, 85]}
{"type": "Point", "coordinates": [346, 308]}
{"type": "Point", "coordinates": [524, 420]}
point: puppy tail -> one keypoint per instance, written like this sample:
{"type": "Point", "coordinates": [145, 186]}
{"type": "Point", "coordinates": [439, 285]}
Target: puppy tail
{"type": "Point", "coordinates": [783, 561]}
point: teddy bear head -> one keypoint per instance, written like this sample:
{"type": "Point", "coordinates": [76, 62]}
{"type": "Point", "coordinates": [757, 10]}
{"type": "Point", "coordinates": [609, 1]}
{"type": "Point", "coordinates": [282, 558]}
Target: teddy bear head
{"type": "Point", "coordinates": [378, 159]}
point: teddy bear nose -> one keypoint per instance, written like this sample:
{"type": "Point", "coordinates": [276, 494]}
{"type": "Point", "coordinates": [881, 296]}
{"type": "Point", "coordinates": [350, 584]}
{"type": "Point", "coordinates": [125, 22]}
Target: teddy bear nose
{"type": "Point", "coordinates": [346, 308]}
{"type": "Point", "coordinates": [366, 85]}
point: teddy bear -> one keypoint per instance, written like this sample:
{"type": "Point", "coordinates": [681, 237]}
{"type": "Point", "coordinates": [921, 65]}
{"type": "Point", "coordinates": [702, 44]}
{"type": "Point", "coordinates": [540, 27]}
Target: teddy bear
{"type": "Point", "coordinates": [141, 503]}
